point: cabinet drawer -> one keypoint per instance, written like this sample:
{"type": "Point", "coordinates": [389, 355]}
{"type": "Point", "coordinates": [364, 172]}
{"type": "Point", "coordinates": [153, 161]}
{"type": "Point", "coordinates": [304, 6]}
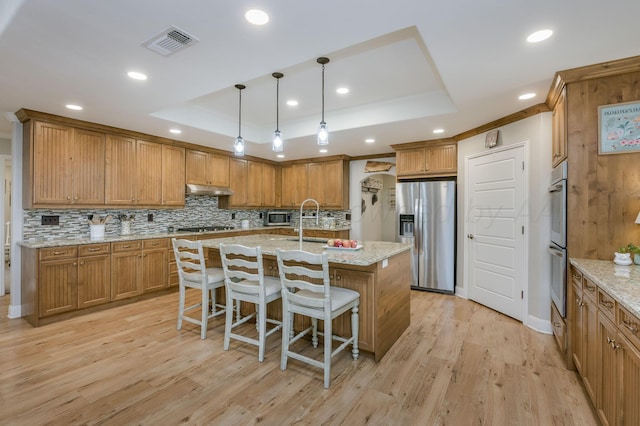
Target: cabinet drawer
{"type": "Point", "coordinates": [559, 328]}
{"type": "Point", "coordinates": [590, 290]}
{"type": "Point", "coordinates": [607, 305]}
{"type": "Point", "coordinates": [576, 276]}
{"type": "Point", "coordinates": [58, 253]}
{"type": "Point", "coordinates": [94, 249]}
{"type": "Point", "coordinates": [630, 326]}
{"type": "Point", "coordinates": [155, 243]}
{"type": "Point", "coordinates": [126, 246]}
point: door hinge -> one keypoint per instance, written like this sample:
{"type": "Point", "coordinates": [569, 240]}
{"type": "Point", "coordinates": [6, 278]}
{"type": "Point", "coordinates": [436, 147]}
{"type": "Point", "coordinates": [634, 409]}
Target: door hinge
{"type": "Point", "coordinates": [521, 294]}
{"type": "Point", "coordinates": [523, 165]}
{"type": "Point", "coordinates": [522, 229]}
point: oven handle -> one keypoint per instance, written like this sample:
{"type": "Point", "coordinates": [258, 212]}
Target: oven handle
{"type": "Point", "coordinates": [555, 251]}
{"type": "Point", "coordinates": [555, 188]}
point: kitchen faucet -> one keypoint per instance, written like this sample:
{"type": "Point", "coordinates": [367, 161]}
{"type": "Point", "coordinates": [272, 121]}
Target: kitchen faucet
{"type": "Point", "coordinates": [317, 216]}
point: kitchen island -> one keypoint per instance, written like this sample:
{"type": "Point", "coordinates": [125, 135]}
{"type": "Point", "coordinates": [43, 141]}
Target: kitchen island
{"type": "Point", "coordinates": [380, 271]}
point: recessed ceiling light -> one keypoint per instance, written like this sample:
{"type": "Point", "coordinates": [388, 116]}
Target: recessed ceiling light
{"type": "Point", "coordinates": [370, 140]}
{"type": "Point", "coordinates": [323, 151]}
{"type": "Point", "coordinates": [256, 17]}
{"type": "Point", "coordinates": [280, 155]}
{"type": "Point", "coordinates": [137, 75]}
{"type": "Point", "coordinates": [292, 102]}
{"type": "Point", "coordinates": [526, 96]}
{"type": "Point", "coordinates": [438, 130]}
{"type": "Point", "coordinates": [74, 107]}
{"type": "Point", "coordinates": [175, 131]}
{"type": "Point", "coordinates": [342, 90]}
{"type": "Point", "coordinates": [539, 36]}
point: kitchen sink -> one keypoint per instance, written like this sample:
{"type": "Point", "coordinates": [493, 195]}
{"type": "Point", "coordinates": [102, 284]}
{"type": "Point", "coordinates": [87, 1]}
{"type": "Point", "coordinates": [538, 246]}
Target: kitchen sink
{"type": "Point", "coordinates": [309, 239]}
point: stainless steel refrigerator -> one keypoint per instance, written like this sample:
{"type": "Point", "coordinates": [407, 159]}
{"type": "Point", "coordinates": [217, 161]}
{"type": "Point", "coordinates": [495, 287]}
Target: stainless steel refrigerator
{"type": "Point", "coordinates": [426, 219]}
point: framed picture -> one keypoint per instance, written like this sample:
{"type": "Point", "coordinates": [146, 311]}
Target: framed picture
{"type": "Point", "coordinates": [491, 139]}
{"type": "Point", "coordinates": [619, 128]}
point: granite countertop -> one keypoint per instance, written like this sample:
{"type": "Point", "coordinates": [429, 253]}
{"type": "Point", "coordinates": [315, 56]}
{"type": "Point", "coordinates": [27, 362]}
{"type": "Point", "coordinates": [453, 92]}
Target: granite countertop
{"type": "Point", "coordinates": [620, 282]}
{"type": "Point", "coordinates": [371, 252]}
{"type": "Point", "coordinates": [81, 240]}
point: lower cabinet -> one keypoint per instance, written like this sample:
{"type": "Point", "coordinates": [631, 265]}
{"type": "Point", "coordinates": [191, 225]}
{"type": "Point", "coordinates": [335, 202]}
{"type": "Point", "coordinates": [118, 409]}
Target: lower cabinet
{"type": "Point", "coordinates": [58, 289]}
{"type": "Point", "coordinates": [126, 268]}
{"type": "Point", "coordinates": [606, 352]}
{"type": "Point", "coordinates": [94, 280]}
{"type": "Point", "coordinates": [154, 264]}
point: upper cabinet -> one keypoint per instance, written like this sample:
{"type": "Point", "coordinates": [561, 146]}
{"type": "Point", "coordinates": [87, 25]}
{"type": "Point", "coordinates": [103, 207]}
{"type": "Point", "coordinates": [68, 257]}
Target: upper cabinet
{"type": "Point", "coordinates": [62, 166]}
{"type": "Point", "coordinates": [427, 159]}
{"type": "Point", "coordinates": [253, 184]}
{"type": "Point", "coordinates": [325, 181]}
{"type": "Point", "coordinates": [558, 123]}
{"type": "Point", "coordinates": [206, 168]}
{"type": "Point", "coordinates": [70, 163]}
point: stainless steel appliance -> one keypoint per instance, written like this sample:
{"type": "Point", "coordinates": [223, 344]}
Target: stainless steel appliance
{"type": "Point", "coordinates": [558, 240]}
{"type": "Point", "coordinates": [277, 218]}
{"type": "Point", "coordinates": [426, 219]}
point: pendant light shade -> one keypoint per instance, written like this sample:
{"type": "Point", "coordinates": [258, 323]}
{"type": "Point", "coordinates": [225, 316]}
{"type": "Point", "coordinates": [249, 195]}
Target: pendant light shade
{"type": "Point", "coordinates": [238, 145]}
{"type": "Point", "coordinates": [278, 143]}
{"type": "Point", "coordinates": [323, 130]}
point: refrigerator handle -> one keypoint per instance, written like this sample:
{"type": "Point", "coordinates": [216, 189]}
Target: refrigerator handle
{"type": "Point", "coordinates": [417, 225]}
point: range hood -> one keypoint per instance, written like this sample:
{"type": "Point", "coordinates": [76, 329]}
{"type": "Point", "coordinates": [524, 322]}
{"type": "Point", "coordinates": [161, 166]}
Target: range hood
{"type": "Point", "coordinates": [207, 190]}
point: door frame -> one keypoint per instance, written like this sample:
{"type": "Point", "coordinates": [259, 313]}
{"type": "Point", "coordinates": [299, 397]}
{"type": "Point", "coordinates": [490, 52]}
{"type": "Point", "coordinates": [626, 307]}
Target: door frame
{"type": "Point", "coordinates": [527, 221]}
{"type": "Point", "coordinates": [3, 220]}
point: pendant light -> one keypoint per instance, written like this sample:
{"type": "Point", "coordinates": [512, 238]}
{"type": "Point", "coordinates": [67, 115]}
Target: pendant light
{"type": "Point", "coordinates": [323, 131]}
{"type": "Point", "coordinates": [278, 143]}
{"type": "Point", "coordinates": [238, 145]}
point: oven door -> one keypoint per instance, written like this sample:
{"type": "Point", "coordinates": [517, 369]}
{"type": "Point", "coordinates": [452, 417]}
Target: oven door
{"type": "Point", "coordinates": [558, 192]}
{"type": "Point", "coordinates": [559, 278]}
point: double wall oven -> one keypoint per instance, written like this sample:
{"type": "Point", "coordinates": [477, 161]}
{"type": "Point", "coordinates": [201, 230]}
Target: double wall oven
{"type": "Point", "coordinates": [558, 240]}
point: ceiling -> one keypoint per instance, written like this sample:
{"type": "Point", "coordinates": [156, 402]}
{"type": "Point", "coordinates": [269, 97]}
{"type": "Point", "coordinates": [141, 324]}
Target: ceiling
{"type": "Point", "coordinates": [411, 65]}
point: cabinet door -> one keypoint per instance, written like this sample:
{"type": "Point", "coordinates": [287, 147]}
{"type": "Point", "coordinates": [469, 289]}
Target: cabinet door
{"type": "Point", "coordinates": [606, 392]}
{"type": "Point", "coordinates": [301, 183]}
{"type": "Point", "coordinates": [149, 178]}
{"type": "Point", "coordinates": [154, 269]}
{"type": "Point", "coordinates": [333, 183]}
{"type": "Point", "coordinates": [197, 167]}
{"type": "Point", "coordinates": [120, 170]}
{"type": "Point", "coordinates": [52, 164]}
{"type": "Point", "coordinates": [88, 167]}
{"type": "Point", "coordinates": [94, 280]}
{"type": "Point", "coordinates": [126, 275]}
{"type": "Point", "coordinates": [559, 130]}
{"type": "Point", "coordinates": [411, 161]}
{"type": "Point", "coordinates": [238, 182]}
{"type": "Point", "coordinates": [219, 169]}
{"type": "Point", "coordinates": [362, 282]}
{"type": "Point", "coordinates": [269, 185]}
{"type": "Point", "coordinates": [57, 287]}
{"type": "Point", "coordinates": [173, 172]}
{"type": "Point", "coordinates": [629, 378]}
{"type": "Point", "coordinates": [317, 182]}
{"type": "Point", "coordinates": [288, 188]}
{"type": "Point", "coordinates": [254, 184]}
{"type": "Point", "coordinates": [442, 159]}
{"type": "Point", "coordinates": [590, 347]}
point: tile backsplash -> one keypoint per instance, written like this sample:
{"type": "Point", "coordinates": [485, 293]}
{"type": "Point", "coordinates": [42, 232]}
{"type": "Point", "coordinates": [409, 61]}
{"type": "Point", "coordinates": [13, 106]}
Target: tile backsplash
{"type": "Point", "coordinates": [199, 210]}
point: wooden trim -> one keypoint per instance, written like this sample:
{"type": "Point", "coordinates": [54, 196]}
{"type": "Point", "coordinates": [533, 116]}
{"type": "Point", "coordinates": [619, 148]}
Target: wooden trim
{"type": "Point", "coordinates": [511, 118]}
{"type": "Point", "coordinates": [603, 69]}
{"type": "Point", "coordinates": [315, 160]}
{"type": "Point", "coordinates": [374, 156]}
{"type": "Point", "coordinates": [420, 144]}
{"type": "Point", "coordinates": [554, 92]}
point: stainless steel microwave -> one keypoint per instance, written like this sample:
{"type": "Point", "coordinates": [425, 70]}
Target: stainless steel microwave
{"type": "Point", "coordinates": [277, 218]}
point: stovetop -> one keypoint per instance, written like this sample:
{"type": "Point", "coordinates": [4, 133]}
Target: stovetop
{"type": "Point", "coordinates": [205, 228]}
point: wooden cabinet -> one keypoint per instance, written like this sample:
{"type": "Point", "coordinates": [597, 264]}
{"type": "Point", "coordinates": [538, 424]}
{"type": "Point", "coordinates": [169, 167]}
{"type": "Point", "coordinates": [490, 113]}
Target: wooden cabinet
{"type": "Point", "coordinates": [327, 182]}
{"type": "Point", "coordinates": [253, 184]}
{"type": "Point", "coordinates": [121, 165]}
{"type": "Point", "coordinates": [138, 267]}
{"type": "Point", "coordinates": [584, 334]}
{"type": "Point", "coordinates": [63, 166]}
{"type": "Point", "coordinates": [238, 183]}
{"type": "Point", "coordinates": [149, 173]}
{"type": "Point", "coordinates": [559, 129]}
{"type": "Point", "coordinates": [606, 394]}
{"type": "Point", "coordinates": [58, 290]}
{"type": "Point", "coordinates": [173, 175]}
{"type": "Point", "coordinates": [206, 168]}
{"type": "Point", "coordinates": [426, 160]}
{"type": "Point", "coordinates": [294, 184]}
{"type": "Point", "coordinates": [363, 283]}
{"type": "Point", "coordinates": [94, 275]}
{"type": "Point", "coordinates": [559, 328]}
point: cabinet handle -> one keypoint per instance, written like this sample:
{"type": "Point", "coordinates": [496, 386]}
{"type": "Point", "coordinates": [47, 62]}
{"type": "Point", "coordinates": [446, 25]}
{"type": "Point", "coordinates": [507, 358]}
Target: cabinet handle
{"type": "Point", "coordinates": [57, 253]}
{"type": "Point", "coordinates": [338, 277]}
{"type": "Point", "coordinates": [126, 246]}
{"type": "Point", "coordinates": [75, 198]}
{"type": "Point", "coordinates": [632, 326]}
{"type": "Point", "coordinates": [580, 303]}
{"type": "Point", "coordinates": [590, 288]}
{"type": "Point", "coordinates": [75, 263]}
{"type": "Point", "coordinates": [68, 198]}
{"type": "Point", "coordinates": [576, 276]}
{"type": "Point", "coordinates": [607, 304]}
{"type": "Point", "coordinates": [82, 263]}
{"type": "Point", "coordinates": [556, 324]}
{"type": "Point", "coordinates": [94, 249]}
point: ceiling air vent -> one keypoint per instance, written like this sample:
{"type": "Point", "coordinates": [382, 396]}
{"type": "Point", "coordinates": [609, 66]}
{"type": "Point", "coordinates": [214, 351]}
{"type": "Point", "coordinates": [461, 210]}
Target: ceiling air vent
{"type": "Point", "coordinates": [170, 41]}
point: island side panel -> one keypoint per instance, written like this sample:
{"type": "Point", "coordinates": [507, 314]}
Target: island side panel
{"type": "Point", "coordinates": [393, 301]}
{"type": "Point", "coordinates": [29, 287]}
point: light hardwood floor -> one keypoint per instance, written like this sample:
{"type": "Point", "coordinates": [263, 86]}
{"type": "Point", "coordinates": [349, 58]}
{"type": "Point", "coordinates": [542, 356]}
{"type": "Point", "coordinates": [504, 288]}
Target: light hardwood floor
{"type": "Point", "coordinates": [459, 363]}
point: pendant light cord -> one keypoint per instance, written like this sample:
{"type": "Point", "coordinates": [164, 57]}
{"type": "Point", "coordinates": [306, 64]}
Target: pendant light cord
{"type": "Point", "coordinates": [277, 104]}
{"type": "Point", "coordinates": [239, 112]}
{"type": "Point", "coordinates": [323, 93]}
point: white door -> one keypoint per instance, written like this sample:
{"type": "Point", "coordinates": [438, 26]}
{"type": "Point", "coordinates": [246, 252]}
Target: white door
{"type": "Point", "coordinates": [496, 205]}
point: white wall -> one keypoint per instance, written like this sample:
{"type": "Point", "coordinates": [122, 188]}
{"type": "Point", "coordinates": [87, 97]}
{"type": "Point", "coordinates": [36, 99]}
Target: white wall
{"type": "Point", "coordinates": [356, 175]}
{"type": "Point", "coordinates": [536, 131]}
